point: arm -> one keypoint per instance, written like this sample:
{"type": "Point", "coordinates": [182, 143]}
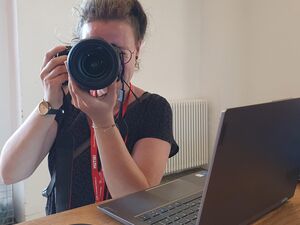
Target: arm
{"type": "Point", "coordinates": [125, 174]}
{"type": "Point", "coordinates": [29, 145]}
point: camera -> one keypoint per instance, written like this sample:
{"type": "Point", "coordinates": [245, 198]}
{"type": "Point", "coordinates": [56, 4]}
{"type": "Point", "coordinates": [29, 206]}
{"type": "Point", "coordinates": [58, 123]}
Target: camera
{"type": "Point", "coordinates": [94, 63]}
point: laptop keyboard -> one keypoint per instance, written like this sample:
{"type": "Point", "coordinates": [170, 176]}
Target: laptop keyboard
{"type": "Point", "coordinates": [183, 211]}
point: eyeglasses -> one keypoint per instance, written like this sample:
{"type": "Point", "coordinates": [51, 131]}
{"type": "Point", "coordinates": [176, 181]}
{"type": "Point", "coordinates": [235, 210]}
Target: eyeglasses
{"type": "Point", "coordinates": [126, 55]}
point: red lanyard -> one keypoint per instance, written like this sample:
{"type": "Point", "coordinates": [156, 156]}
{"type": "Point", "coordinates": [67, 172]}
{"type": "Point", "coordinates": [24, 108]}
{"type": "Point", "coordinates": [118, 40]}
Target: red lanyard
{"type": "Point", "coordinates": [98, 176]}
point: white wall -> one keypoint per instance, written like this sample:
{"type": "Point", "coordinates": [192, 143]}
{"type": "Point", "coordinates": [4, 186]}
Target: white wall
{"type": "Point", "coordinates": [5, 89]}
{"type": "Point", "coordinates": [232, 52]}
{"type": "Point", "coordinates": [170, 63]}
{"type": "Point", "coordinates": [10, 107]}
{"type": "Point", "coordinates": [250, 52]}
{"type": "Point", "coordinates": [9, 92]}
{"type": "Point", "coordinates": [222, 57]}
{"type": "Point", "coordinates": [273, 49]}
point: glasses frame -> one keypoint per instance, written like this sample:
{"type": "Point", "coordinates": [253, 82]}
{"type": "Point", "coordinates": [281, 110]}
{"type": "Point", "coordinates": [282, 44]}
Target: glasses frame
{"type": "Point", "coordinates": [123, 52]}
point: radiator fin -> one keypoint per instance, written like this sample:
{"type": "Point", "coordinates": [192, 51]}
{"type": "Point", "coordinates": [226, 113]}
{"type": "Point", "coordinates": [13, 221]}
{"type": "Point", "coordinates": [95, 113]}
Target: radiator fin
{"type": "Point", "coordinates": [190, 127]}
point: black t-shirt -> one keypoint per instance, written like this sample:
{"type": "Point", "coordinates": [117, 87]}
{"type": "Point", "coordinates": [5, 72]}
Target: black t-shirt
{"type": "Point", "coordinates": [150, 117]}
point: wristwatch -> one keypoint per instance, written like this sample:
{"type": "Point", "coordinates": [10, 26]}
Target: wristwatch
{"type": "Point", "coordinates": [46, 109]}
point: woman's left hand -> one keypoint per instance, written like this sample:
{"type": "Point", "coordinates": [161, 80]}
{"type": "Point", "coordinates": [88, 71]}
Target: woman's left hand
{"type": "Point", "coordinates": [99, 108]}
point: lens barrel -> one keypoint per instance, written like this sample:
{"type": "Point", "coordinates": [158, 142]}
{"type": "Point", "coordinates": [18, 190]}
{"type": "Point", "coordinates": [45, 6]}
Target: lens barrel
{"type": "Point", "coordinates": [94, 63]}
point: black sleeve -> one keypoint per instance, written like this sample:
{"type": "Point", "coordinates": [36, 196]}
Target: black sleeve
{"type": "Point", "coordinates": [157, 122]}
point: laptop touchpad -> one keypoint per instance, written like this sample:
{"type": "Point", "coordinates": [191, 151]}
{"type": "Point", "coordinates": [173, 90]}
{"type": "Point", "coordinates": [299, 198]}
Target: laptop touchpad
{"type": "Point", "coordinates": [174, 190]}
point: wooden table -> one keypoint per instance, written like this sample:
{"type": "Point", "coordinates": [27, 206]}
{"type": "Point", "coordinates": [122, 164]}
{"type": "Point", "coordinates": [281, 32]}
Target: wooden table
{"type": "Point", "coordinates": [287, 214]}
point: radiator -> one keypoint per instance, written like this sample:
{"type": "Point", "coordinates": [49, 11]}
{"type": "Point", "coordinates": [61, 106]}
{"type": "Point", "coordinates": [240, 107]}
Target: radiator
{"type": "Point", "coordinates": [190, 128]}
{"type": "Point", "coordinates": [6, 206]}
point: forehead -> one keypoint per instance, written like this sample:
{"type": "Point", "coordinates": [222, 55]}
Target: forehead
{"type": "Point", "coordinates": [114, 32]}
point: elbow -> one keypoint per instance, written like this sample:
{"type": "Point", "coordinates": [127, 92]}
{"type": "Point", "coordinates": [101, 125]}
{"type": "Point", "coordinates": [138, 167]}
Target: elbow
{"type": "Point", "coordinates": [147, 184]}
{"type": "Point", "coordinates": [5, 176]}
{"type": "Point", "coordinates": [4, 179]}
{"type": "Point", "coordinates": [1, 180]}
{"type": "Point", "coordinates": [8, 178]}
{"type": "Point", "coordinates": [6, 171]}
{"type": "Point", "coordinates": [153, 183]}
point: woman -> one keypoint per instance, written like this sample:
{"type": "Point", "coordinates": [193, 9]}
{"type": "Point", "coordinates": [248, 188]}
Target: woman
{"type": "Point", "coordinates": [132, 152]}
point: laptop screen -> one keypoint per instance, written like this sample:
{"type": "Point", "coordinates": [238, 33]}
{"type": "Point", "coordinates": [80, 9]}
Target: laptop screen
{"type": "Point", "coordinates": [255, 163]}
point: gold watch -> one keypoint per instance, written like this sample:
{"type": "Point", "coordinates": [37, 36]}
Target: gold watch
{"type": "Point", "coordinates": [46, 109]}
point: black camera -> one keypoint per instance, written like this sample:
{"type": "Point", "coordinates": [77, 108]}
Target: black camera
{"type": "Point", "coordinates": [94, 63]}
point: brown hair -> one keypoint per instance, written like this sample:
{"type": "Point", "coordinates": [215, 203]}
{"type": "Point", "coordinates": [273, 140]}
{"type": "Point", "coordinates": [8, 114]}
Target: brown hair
{"type": "Point", "coordinates": [128, 10]}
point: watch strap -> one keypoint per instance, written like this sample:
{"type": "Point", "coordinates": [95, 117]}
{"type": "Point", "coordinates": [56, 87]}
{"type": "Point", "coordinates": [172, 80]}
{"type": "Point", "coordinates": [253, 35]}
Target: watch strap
{"type": "Point", "coordinates": [55, 111]}
{"type": "Point", "coordinates": [45, 108]}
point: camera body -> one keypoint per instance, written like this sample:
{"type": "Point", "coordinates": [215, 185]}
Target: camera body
{"type": "Point", "coordinates": [64, 52]}
{"type": "Point", "coordinates": [94, 63]}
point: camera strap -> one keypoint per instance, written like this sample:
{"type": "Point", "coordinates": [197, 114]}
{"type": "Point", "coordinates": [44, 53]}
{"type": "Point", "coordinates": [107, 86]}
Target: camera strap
{"type": "Point", "coordinates": [61, 177]}
{"type": "Point", "coordinates": [63, 167]}
{"type": "Point", "coordinates": [97, 175]}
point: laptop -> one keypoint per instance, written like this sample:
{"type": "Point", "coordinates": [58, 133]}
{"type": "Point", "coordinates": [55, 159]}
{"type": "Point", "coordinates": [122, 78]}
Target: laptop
{"type": "Point", "coordinates": [253, 171]}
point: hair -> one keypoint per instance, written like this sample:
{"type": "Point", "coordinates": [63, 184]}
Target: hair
{"type": "Point", "coordinates": [106, 10]}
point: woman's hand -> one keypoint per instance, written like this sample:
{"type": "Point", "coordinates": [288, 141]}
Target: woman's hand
{"type": "Point", "coordinates": [99, 108]}
{"type": "Point", "coordinates": [53, 74]}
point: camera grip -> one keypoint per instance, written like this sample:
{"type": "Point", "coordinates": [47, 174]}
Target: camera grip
{"type": "Point", "coordinates": [64, 52]}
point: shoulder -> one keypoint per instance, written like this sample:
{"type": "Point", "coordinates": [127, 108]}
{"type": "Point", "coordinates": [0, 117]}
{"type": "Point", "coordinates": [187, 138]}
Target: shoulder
{"type": "Point", "coordinates": [155, 109]}
{"type": "Point", "coordinates": [153, 101]}
{"type": "Point", "coordinates": [156, 120]}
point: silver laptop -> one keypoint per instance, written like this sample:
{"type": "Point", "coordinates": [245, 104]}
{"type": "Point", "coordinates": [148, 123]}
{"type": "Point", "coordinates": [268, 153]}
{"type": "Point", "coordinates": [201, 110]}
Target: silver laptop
{"type": "Point", "coordinates": [253, 171]}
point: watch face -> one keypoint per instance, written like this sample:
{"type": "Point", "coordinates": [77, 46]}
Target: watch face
{"type": "Point", "coordinates": [43, 108]}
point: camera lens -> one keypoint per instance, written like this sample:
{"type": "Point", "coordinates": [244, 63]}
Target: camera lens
{"type": "Point", "coordinates": [94, 64]}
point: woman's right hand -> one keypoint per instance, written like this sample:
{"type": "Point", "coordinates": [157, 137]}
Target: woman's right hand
{"type": "Point", "coordinates": [53, 75]}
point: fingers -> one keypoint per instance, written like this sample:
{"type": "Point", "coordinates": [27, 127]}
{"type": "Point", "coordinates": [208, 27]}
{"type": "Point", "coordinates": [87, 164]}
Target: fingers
{"type": "Point", "coordinates": [61, 78]}
{"type": "Point", "coordinates": [73, 95]}
{"type": "Point", "coordinates": [79, 97]}
{"type": "Point", "coordinates": [53, 74]}
{"type": "Point", "coordinates": [101, 92]}
{"type": "Point", "coordinates": [57, 71]}
{"type": "Point", "coordinates": [52, 65]}
{"type": "Point", "coordinates": [76, 88]}
{"type": "Point", "coordinates": [52, 53]}
{"type": "Point", "coordinates": [112, 91]}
